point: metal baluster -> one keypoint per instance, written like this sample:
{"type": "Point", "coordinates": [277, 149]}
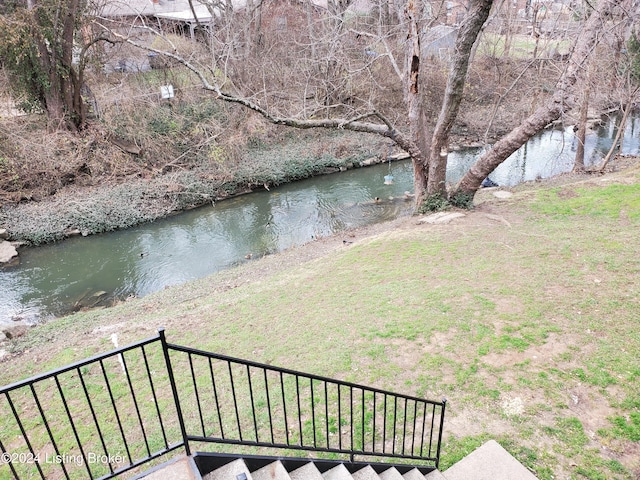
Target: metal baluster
{"type": "Point", "coordinates": [235, 400]}
{"type": "Point", "coordinates": [395, 419]}
{"type": "Point", "coordinates": [339, 418]}
{"type": "Point", "coordinates": [215, 396]}
{"type": "Point", "coordinates": [299, 410]}
{"type": "Point", "coordinates": [115, 410]}
{"type": "Point", "coordinates": [46, 424]}
{"type": "Point", "coordinates": [444, 405]}
{"type": "Point", "coordinates": [424, 422]}
{"type": "Point", "coordinates": [362, 429]}
{"type": "Point", "coordinates": [284, 409]}
{"type": "Point", "coordinates": [313, 413]}
{"type": "Point", "coordinates": [13, 469]}
{"type": "Point", "coordinates": [93, 415]}
{"type": "Point", "coordinates": [433, 418]}
{"type": "Point", "coordinates": [24, 434]}
{"type": "Point", "coordinates": [373, 440]}
{"type": "Point", "coordinates": [135, 403]}
{"type": "Point", "coordinates": [174, 390]}
{"type": "Point", "coordinates": [326, 411]}
{"type": "Point", "coordinates": [155, 398]}
{"type": "Point", "coordinates": [266, 387]}
{"type": "Point", "coordinates": [351, 414]}
{"type": "Point", "coordinates": [253, 406]}
{"type": "Point", "coordinates": [195, 389]}
{"type": "Point", "coordinates": [73, 426]}
{"type": "Point", "coordinates": [415, 415]}
{"type": "Point", "coordinates": [404, 426]}
{"type": "Point", "coordinates": [384, 426]}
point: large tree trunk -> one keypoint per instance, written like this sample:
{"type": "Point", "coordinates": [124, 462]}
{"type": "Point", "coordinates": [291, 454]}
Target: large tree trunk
{"type": "Point", "coordinates": [563, 100]}
{"type": "Point", "coordinates": [61, 97]}
{"type": "Point", "coordinates": [467, 35]}
{"type": "Point", "coordinates": [581, 134]}
{"type": "Point", "coordinates": [72, 80]}
{"type": "Point", "coordinates": [418, 130]}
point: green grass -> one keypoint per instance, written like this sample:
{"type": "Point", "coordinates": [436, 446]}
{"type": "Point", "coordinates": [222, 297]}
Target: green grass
{"type": "Point", "coordinates": [545, 311]}
{"type": "Point", "coordinates": [611, 201]}
{"type": "Point", "coordinates": [522, 46]}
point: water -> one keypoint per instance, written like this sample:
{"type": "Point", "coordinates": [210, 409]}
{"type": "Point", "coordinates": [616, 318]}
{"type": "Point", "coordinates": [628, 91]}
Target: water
{"type": "Point", "coordinates": [550, 153]}
{"type": "Point", "coordinates": [81, 272]}
{"type": "Point", "coordinates": [54, 279]}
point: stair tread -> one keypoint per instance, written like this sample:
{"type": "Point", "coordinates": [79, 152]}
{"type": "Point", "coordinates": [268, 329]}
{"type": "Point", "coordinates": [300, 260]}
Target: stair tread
{"type": "Point", "coordinates": [181, 468]}
{"type": "Point", "coordinates": [435, 475]}
{"type": "Point", "coordinates": [391, 474]}
{"type": "Point", "coordinates": [413, 474]}
{"type": "Point", "coordinates": [273, 471]}
{"type": "Point", "coordinates": [307, 472]}
{"type": "Point", "coordinates": [230, 471]}
{"type": "Point", "coordinates": [339, 472]}
{"type": "Point", "coordinates": [489, 462]}
{"type": "Point", "coordinates": [366, 473]}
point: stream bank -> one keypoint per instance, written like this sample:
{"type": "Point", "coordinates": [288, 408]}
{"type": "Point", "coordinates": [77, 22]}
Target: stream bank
{"type": "Point", "coordinates": [116, 205]}
{"type": "Point", "coordinates": [77, 210]}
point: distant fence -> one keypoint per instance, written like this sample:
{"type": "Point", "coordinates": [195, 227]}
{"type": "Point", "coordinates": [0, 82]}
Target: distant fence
{"type": "Point", "coordinates": [115, 412]}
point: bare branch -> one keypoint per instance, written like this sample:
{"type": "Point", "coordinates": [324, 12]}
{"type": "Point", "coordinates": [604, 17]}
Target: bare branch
{"type": "Point", "coordinates": [389, 54]}
{"type": "Point", "coordinates": [502, 97]}
{"type": "Point", "coordinates": [563, 99]}
{"type": "Point", "coordinates": [355, 124]}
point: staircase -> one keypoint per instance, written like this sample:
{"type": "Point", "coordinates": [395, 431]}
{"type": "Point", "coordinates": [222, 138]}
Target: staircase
{"type": "Point", "coordinates": [239, 470]}
{"type": "Point", "coordinates": [216, 399]}
{"type": "Point", "coordinates": [489, 462]}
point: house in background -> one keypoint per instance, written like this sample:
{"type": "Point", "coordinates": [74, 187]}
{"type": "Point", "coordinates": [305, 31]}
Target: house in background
{"type": "Point", "coordinates": [166, 16]}
{"type": "Point", "coordinates": [178, 11]}
{"type": "Point", "coordinates": [150, 8]}
{"type": "Point", "coordinates": [439, 42]}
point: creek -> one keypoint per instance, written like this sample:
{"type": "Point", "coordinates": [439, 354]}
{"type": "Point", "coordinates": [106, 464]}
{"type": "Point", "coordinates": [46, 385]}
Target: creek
{"type": "Point", "coordinates": [85, 272]}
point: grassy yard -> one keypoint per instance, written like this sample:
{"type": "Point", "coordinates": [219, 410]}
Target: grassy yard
{"type": "Point", "coordinates": [524, 314]}
{"type": "Point", "coordinates": [521, 46]}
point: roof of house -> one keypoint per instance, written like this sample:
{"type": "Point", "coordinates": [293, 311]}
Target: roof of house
{"type": "Point", "coordinates": [180, 9]}
{"type": "Point", "coordinates": [164, 8]}
{"type": "Point", "coordinates": [202, 14]}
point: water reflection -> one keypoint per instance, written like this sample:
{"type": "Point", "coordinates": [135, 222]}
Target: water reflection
{"type": "Point", "coordinates": [53, 279]}
{"type": "Point", "coordinates": [549, 154]}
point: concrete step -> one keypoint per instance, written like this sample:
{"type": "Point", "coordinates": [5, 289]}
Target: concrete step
{"type": "Point", "coordinates": [306, 472]}
{"type": "Point", "coordinates": [366, 473]}
{"type": "Point", "coordinates": [391, 474]}
{"type": "Point", "coordinates": [273, 471]}
{"type": "Point", "coordinates": [339, 472]}
{"type": "Point", "coordinates": [413, 475]}
{"type": "Point", "coordinates": [489, 462]}
{"type": "Point", "coordinates": [180, 468]}
{"type": "Point", "coordinates": [236, 470]}
{"type": "Point", "coordinates": [435, 475]}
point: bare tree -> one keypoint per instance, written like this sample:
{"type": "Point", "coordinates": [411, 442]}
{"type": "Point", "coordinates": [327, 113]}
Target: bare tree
{"type": "Point", "coordinates": [326, 75]}
{"type": "Point", "coordinates": [564, 99]}
{"type": "Point", "coordinates": [629, 86]}
{"type": "Point", "coordinates": [581, 133]}
{"type": "Point", "coordinates": [467, 35]}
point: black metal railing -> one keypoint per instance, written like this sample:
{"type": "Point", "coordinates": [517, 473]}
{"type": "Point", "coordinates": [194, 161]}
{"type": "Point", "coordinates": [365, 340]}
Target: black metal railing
{"type": "Point", "coordinates": [115, 412]}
